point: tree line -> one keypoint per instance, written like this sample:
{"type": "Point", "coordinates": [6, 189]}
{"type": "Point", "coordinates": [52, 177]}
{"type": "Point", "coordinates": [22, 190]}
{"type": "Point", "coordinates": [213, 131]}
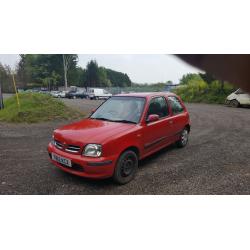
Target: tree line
{"type": "Point", "coordinates": [47, 70]}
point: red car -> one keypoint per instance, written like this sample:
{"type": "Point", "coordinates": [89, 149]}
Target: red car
{"type": "Point", "coordinates": [120, 132]}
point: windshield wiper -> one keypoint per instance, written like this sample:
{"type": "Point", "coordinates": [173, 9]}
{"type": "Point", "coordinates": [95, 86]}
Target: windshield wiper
{"type": "Point", "coordinates": [124, 121]}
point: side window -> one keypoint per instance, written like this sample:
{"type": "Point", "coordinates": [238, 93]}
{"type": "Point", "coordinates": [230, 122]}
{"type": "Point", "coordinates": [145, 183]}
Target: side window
{"type": "Point", "coordinates": [158, 106]}
{"type": "Point", "coordinates": [175, 105]}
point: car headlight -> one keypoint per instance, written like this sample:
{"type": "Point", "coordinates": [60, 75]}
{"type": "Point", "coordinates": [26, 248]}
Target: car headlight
{"type": "Point", "coordinates": [93, 150]}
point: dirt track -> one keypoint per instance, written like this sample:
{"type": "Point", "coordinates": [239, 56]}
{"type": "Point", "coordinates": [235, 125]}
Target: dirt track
{"type": "Point", "coordinates": [216, 161]}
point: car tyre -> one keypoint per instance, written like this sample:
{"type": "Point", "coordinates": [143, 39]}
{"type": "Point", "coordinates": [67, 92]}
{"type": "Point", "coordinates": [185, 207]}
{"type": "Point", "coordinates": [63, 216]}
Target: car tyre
{"type": "Point", "coordinates": [182, 142]}
{"type": "Point", "coordinates": [234, 104]}
{"type": "Point", "coordinates": [126, 167]}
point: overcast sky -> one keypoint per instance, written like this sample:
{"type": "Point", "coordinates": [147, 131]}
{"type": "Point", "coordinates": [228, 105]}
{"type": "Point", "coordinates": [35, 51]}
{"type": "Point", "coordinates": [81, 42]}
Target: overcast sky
{"type": "Point", "coordinates": [146, 68]}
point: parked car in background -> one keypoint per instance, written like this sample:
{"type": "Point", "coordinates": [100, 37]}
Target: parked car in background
{"type": "Point", "coordinates": [58, 94]}
{"type": "Point", "coordinates": [71, 94]}
{"type": "Point", "coordinates": [54, 93]}
{"type": "Point", "coordinates": [81, 94]}
{"type": "Point", "coordinates": [32, 91]}
{"type": "Point", "coordinates": [44, 92]}
{"type": "Point", "coordinates": [123, 130]}
{"type": "Point", "coordinates": [96, 93]}
{"type": "Point", "coordinates": [238, 98]}
{"type": "Point", "coordinates": [61, 94]}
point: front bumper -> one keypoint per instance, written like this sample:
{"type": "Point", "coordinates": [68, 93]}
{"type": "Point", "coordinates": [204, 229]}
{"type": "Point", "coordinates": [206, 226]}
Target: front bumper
{"type": "Point", "coordinates": [97, 168]}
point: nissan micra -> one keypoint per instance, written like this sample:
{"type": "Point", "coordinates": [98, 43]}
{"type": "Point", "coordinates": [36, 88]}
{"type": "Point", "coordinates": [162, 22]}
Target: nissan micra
{"type": "Point", "coordinates": [123, 130]}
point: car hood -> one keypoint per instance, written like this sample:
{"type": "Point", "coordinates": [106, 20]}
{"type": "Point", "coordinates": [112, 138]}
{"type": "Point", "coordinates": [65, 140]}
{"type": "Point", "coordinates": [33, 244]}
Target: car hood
{"type": "Point", "coordinates": [91, 131]}
{"type": "Point", "coordinates": [231, 96]}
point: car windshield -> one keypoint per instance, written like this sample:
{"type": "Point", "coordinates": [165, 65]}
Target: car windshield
{"type": "Point", "coordinates": [125, 109]}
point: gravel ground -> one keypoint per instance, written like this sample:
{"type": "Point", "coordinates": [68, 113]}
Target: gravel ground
{"type": "Point", "coordinates": [216, 160]}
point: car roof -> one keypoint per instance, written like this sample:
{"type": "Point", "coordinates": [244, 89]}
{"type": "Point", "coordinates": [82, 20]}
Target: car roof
{"type": "Point", "coordinates": [148, 94]}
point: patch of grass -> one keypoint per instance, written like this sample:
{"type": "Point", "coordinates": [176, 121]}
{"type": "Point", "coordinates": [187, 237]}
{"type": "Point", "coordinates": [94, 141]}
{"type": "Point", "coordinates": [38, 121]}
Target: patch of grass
{"type": "Point", "coordinates": [36, 108]}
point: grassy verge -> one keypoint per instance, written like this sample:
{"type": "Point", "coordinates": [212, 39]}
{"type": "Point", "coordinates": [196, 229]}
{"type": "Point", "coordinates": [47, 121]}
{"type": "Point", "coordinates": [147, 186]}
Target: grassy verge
{"type": "Point", "coordinates": [36, 108]}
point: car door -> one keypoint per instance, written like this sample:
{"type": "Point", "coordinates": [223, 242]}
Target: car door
{"type": "Point", "coordinates": [158, 133]}
{"type": "Point", "coordinates": [178, 114]}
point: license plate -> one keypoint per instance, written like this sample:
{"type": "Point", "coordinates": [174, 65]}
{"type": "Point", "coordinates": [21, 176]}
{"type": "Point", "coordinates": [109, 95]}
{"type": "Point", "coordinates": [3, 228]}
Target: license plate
{"type": "Point", "coordinates": [61, 160]}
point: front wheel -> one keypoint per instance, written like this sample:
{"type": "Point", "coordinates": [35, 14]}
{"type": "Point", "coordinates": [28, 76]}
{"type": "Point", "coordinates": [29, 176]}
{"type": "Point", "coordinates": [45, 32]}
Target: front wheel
{"type": "Point", "coordinates": [126, 167]}
{"type": "Point", "coordinates": [183, 138]}
{"type": "Point", "coordinates": [234, 104]}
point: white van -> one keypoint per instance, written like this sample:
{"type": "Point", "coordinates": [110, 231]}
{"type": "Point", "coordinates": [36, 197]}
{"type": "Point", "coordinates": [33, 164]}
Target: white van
{"type": "Point", "coordinates": [238, 98]}
{"type": "Point", "coordinates": [96, 93]}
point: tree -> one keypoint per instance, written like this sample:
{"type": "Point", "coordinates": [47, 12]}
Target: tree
{"type": "Point", "coordinates": [77, 77]}
{"type": "Point", "coordinates": [102, 77]}
{"type": "Point", "coordinates": [190, 76]}
{"type": "Point", "coordinates": [39, 68]}
{"type": "Point", "coordinates": [118, 79]}
{"type": "Point", "coordinates": [58, 70]}
{"type": "Point", "coordinates": [6, 79]}
{"type": "Point", "coordinates": [207, 77]}
{"type": "Point", "coordinates": [92, 74]}
{"type": "Point", "coordinates": [69, 61]}
{"type": "Point", "coordinates": [25, 69]}
{"type": "Point", "coordinates": [1, 97]}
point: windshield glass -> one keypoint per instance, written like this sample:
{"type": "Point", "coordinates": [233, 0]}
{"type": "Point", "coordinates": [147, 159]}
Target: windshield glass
{"type": "Point", "coordinates": [121, 109]}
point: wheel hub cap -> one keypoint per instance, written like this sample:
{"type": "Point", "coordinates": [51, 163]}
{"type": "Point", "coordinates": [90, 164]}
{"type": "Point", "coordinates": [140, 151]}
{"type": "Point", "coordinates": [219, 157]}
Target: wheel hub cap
{"type": "Point", "coordinates": [184, 137]}
{"type": "Point", "coordinates": [127, 167]}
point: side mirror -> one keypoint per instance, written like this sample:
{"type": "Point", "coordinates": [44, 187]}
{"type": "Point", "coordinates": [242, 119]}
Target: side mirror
{"type": "Point", "coordinates": [153, 118]}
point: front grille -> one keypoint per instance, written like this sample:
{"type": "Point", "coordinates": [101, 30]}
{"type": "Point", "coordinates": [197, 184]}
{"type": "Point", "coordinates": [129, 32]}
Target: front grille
{"type": "Point", "coordinates": [67, 148]}
{"type": "Point", "coordinates": [72, 149]}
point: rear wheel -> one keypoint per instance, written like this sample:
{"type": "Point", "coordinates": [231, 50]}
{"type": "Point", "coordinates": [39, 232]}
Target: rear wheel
{"type": "Point", "coordinates": [126, 167]}
{"type": "Point", "coordinates": [183, 138]}
{"type": "Point", "coordinates": [234, 104]}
